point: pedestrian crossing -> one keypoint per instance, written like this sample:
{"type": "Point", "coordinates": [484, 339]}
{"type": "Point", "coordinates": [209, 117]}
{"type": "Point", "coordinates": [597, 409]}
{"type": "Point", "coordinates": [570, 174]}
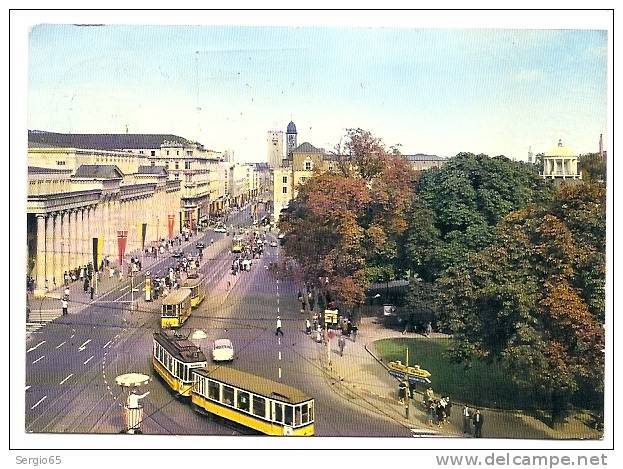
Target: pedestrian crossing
{"type": "Point", "coordinates": [33, 327]}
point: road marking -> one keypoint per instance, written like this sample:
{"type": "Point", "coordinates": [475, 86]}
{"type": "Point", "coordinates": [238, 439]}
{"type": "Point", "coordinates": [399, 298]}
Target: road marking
{"type": "Point", "coordinates": [279, 372]}
{"type": "Point", "coordinates": [277, 308]}
{"type": "Point", "coordinates": [40, 358]}
{"type": "Point", "coordinates": [107, 344]}
{"type": "Point", "coordinates": [279, 354]}
{"type": "Point", "coordinates": [83, 346]}
{"type": "Point", "coordinates": [72, 336]}
{"type": "Point", "coordinates": [70, 375]}
{"type": "Point", "coordinates": [36, 346]}
{"type": "Point", "coordinates": [88, 360]}
{"type": "Point", "coordinates": [279, 340]}
{"type": "Point", "coordinates": [27, 388]}
{"type": "Point", "coordinates": [61, 344]}
{"type": "Point", "coordinates": [40, 401]}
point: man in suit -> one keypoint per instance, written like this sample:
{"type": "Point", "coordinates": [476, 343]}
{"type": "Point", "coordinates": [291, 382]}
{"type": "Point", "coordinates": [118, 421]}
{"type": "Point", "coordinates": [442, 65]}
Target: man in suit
{"type": "Point", "coordinates": [478, 421]}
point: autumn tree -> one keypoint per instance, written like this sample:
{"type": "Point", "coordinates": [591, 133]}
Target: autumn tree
{"type": "Point", "coordinates": [523, 301]}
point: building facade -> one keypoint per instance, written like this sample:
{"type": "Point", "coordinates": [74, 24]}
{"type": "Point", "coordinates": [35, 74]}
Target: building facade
{"type": "Point", "coordinates": [561, 162]}
{"type": "Point", "coordinates": [274, 146]}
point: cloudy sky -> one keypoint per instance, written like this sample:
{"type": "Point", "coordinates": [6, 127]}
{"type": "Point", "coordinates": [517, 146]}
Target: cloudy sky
{"type": "Point", "coordinates": [437, 91]}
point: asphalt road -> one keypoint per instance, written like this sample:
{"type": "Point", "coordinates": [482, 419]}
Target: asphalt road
{"type": "Point", "coordinates": [72, 362]}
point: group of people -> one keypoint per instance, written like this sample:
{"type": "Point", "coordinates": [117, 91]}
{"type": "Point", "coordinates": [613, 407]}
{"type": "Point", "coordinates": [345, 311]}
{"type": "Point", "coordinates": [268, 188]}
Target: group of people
{"type": "Point", "coordinates": [438, 410]}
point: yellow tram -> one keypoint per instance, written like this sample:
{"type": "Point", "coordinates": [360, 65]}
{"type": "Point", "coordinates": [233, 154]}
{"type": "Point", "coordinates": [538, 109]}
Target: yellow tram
{"type": "Point", "coordinates": [264, 405]}
{"type": "Point", "coordinates": [197, 293]}
{"type": "Point", "coordinates": [176, 308]}
{"type": "Point", "coordinates": [174, 358]}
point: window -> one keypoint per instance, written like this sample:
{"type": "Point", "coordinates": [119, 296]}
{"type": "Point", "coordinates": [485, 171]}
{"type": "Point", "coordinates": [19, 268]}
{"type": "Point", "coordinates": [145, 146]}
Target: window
{"type": "Point", "coordinates": [309, 165]}
{"type": "Point", "coordinates": [189, 152]}
{"type": "Point", "coordinates": [153, 153]}
{"type": "Point", "coordinates": [284, 179]}
{"type": "Point", "coordinates": [153, 163]}
{"type": "Point", "coordinates": [228, 395]}
{"type": "Point", "coordinates": [140, 152]}
{"type": "Point", "coordinates": [60, 163]}
{"type": "Point", "coordinates": [304, 413]}
{"type": "Point", "coordinates": [303, 179]}
{"type": "Point", "coordinates": [177, 176]}
{"type": "Point", "coordinates": [214, 390]}
{"type": "Point", "coordinates": [288, 419]}
{"type": "Point", "coordinates": [297, 415]}
{"type": "Point", "coordinates": [177, 152]}
{"type": "Point", "coordinates": [187, 165]}
{"type": "Point", "coordinates": [243, 402]}
{"type": "Point", "coordinates": [278, 417]}
{"type": "Point", "coordinates": [259, 406]}
{"type": "Point", "coordinates": [284, 190]}
{"type": "Point", "coordinates": [311, 411]}
{"type": "Point", "coordinates": [177, 165]}
{"type": "Point", "coordinates": [167, 155]}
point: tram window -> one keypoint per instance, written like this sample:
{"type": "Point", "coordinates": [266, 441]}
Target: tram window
{"type": "Point", "coordinates": [259, 406]}
{"type": "Point", "coordinates": [297, 415]}
{"type": "Point", "coordinates": [243, 401]}
{"type": "Point", "coordinates": [304, 413]}
{"type": "Point", "coordinates": [278, 412]}
{"type": "Point", "coordinates": [228, 395]}
{"type": "Point", "coordinates": [288, 419]}
{"type": "Point", "coordinates": [213, 390]}
{"type": "Point", "coordinates": [311, 411]}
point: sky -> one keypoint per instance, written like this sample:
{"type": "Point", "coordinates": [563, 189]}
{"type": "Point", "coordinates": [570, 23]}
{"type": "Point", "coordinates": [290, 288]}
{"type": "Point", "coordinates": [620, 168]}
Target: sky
{"type": "Point", "coordinates": [436, 91]}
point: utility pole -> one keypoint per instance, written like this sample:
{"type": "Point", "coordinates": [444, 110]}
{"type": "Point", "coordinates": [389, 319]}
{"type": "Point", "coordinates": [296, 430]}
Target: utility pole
{"type": "Point", "coordinates": [407, 387]}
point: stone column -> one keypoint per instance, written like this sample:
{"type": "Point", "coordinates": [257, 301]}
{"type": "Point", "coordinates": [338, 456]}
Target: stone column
{"type": "Point", "coordinates": [57, 277]}
{"type": "Point", "coordinates": [49, 249]}
{"type": "Point", "coordinates": [73, 244]}
{"type": "Point", "coordinates": [65, 244]}
{"type": "Point", "coordinates": [116, 225]}
{"type": "Point", "coordinates": [88, 245]}
{"type": "Point", "coordinates": [40, 259]}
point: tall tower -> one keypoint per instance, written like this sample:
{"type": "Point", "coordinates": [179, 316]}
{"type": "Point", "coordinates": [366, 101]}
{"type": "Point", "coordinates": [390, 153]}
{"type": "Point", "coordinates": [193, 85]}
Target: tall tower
{"type": "Point", "coordinates": [290, 139]}
{"type": "Point", "coordinates": [274, 147]}
{"type": "Point", "coordinates": [601, 145]}
{"type": "Point", "coordinates": [530, 155]}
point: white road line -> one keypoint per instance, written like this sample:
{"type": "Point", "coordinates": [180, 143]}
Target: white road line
{"type": "Point", "coordinates": [107, 344]}
{"type": "Point", "coordinates": [61, 344]}
{"type": "Point", "coordinates": [279, 354]}
{"type": "Point", "coordinates": [279, 372]}
{"type": "Point", "coordinates": [279, 340]}
{"type": "Point", "coordinates": [40, 401]}
{"type": "Point", "coordinates": [36, 346]}
{"type": "Point", "coordinates": [40, 358]}
{"type": "Point", "coordinates": [70, 375]}
{"type": "Point", "coordinates": [72, 336]}
{"type": "Point", "coordinates": [84, 345]}
{"type": "Point", "coordinates": [88, 360]}
{"type": "Point", "coordinates": [277, 308]}
{"type": "Point", "coordinates": [27, 388]}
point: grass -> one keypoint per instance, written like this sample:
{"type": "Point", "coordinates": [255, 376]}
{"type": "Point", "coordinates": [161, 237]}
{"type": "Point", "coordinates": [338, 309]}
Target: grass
{"type": "Point", "coordinates": [483, 384]}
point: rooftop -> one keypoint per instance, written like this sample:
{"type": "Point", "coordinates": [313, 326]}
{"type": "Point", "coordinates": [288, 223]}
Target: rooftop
{"type": "Point", "coordinates": [423, 157]}
{"type": "Point", "coordinates": [561, 150]}
{"type": "Point", "coordinates": [98, 171]}
{"type": "Point", "coordinates": [154, 170]}
{"type": "Point", "coordinates": [102, 141]}
{"type": "Point", "coordinates": [307, 147]}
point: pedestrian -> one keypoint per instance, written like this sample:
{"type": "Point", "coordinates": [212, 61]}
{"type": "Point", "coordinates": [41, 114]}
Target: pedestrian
{"type": "Point", "coordinates": [121, 275]}
{"type": "Point", "coordinates": [66, 278]}
{"type": "Point", "coordinates": [341, 342]}
{"type": "Point", "coordinates": [402, 392]}
{"type": "Point", "coordinates": [64, 305]}
{"type": "Point", "coordinates": [92, 290]}
{"type": "Point", "coordinates": [111, 272]}
{"type": "Point", "coordinates": [478, 421]}
{"type": "Point", "coordinates": [278, 331]}
{"type": "Point", "coordinates": [448, 407]}
{"type": "Point", "coordinates": [429, 329]}
{"type": "Point", "coordinates": [307, 327]}
{"type": "Point", "coordinates": [66, 293]}
{"type": "Point", "coordinates": [431, 413]}
{"type": "Point", "coordinates": [353, 332]}
{"type": "Point", "coordinates": [467, 430]}
{"type": "Point", "coordinates": [81, 273]}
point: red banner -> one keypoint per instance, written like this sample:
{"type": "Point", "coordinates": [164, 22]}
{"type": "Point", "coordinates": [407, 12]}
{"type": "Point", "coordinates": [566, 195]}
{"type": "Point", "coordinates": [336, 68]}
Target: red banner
{"type": "Point", "coordinates": [171, 223]}
{"type": "Point", "coordinates": [122, 238]}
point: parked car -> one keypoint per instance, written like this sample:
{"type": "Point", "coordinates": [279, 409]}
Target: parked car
{"type": "Point", "coordinates": [200, 245]}
{"type": "Point", "coordinates": [220, 229]}
{"type": "Point", "coordinates": [222, 350]}
{"type": "Point", "coordinates": [177, 253]}
{"type": "Point", "coordinates": [273, 244]}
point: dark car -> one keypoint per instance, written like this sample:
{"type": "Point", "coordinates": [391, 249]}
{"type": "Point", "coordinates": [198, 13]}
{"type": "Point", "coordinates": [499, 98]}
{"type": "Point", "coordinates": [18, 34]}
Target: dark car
{"type": "Point", "coordinates": [177, 254]}
{"type": "Point", "coordinates": [200, 245]}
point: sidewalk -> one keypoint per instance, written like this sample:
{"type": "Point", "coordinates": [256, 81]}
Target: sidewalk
{"type": "Point", "coordinates": [47, 309]}
{"type": "Point", "coordinates": [363, 372]}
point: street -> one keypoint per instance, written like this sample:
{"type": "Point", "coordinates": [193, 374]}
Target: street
{"type": "Point", "coordinates": [72, 362]}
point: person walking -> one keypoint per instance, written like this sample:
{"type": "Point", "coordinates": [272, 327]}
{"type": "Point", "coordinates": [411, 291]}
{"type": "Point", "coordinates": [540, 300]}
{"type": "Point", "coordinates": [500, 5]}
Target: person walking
{"type": "Point", "coordinates": [478, 421]}
{"type": "Point", "coordinates": [307, 327]}
{"type": "Point", "coordinates": [64, 305]}
{"type": "Point", "coordinates": [429, 329]}
{"type": "Point", "coordinates": [66, 293]}
{"type": "Point", "coordinates": [91, 290]}
{"type": "Point", "coordinates": [466, 421]}
{"type": "Point", "coordinates": [278, 331]}
{"type": "Point", "coordinates": [341, 342]}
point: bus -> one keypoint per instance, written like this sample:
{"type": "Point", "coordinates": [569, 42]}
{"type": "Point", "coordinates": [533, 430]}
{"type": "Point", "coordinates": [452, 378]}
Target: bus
{"type": "Point", "coordinates": [176, 309]}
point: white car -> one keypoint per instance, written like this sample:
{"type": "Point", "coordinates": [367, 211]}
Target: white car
{"type": "Point", "coordinates": [220, 229]}
{"type": "Point", "coordinates": [222, 351]}
{"type": "Point", "coordinates": [273, 244]}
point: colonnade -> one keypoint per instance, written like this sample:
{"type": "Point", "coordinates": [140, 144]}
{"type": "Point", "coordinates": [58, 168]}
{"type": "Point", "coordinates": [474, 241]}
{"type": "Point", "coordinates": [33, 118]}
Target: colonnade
{"type": "Point", "coordinates": [64, 236]}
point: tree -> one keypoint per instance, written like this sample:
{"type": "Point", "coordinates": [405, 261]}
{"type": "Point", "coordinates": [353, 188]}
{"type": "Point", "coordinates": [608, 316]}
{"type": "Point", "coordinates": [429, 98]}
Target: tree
{"type": "Point", "coordinates": [593, 167]}
{"type": "Point", "coordinates": [523, 300]}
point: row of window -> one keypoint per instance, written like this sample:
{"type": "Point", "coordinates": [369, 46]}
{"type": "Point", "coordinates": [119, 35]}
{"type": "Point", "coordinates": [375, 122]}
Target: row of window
{"type": "Point", "coordinates": [266, 409]}
{"type": "Point", "coordinates": [173, 311]}
{"type": "Point", "coordinates": [175, 367]}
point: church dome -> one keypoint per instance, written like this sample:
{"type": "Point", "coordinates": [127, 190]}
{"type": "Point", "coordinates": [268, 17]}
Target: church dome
{"type": "Point", "coordinates": [291, 128]}
{"type": "Point", "coordinates": [560, 150]}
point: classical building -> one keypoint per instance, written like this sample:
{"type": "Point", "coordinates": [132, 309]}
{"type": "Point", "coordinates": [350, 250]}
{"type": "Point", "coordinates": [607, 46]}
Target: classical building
{"type": "Point", "coordinates": [560, 162]}
{"type": "Point", "coordinates": [422, 162]}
